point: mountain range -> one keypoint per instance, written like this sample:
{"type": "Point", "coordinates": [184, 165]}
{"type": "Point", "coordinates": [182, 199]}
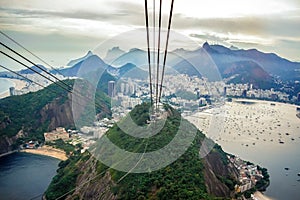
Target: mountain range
{"type": "Point", "coordinates": [269, 62]}
{"type": "Point", "coordinates": [236, 65]}
{"type": "Point", "coordinates": [263, 70]}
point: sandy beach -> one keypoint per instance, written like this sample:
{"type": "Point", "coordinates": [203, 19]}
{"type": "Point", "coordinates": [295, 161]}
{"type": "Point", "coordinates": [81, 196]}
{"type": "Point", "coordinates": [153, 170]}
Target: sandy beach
{"type": "Point", "coordinates": [48, 151]}
{"type": "Point", "coordinates": [260, 196]}
{"type": "Point", "coordinates": [18, 84]}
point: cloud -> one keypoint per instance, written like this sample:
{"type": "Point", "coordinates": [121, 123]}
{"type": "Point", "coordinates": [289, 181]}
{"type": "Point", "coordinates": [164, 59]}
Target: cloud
{"type": "Point", "coordinates": [74, 23]}
{"type": "Point", "coordinates": [129, 13]}
{"type": "Point", "coordinates": [56, 48]}
{"type": "Point", "coordinates": [118, 16]}
{"type": "Point", "coordinates": [262, 24]}
{"type": "Point", "coordinates": [258, 26]}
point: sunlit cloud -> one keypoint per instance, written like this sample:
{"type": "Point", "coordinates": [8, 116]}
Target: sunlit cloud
{"type": "Point", "coordinates": [267, 25]}
{"type": "Point", "coordinates": [233, 8]}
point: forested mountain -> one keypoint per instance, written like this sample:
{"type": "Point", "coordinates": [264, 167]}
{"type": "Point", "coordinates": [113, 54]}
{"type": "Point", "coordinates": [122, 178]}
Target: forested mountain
{"type": "Point", "coordinates": [189, 177]}
{"type": "Point", "coordinates": [28, 116]}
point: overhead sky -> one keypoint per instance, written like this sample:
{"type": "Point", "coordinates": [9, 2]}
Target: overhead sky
{"type": "Point", "coordinates": [59, 30]}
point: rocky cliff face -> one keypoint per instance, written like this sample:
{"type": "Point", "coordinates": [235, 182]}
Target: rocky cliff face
{"type": "Point", "coordinates": [91, 184]}
{"type": "Point", "coordinates": [214, 168]}
{"type": "Point", "coordinates": [34, 113]}
{"type": "Point", "coordinates": [57, 114]}
{"type": "Point", "coordinates": [54, 114]}
{"type": "Point", "coordinates": [5, 122]}
{"type": "Point", "coordinates": [6, 144]}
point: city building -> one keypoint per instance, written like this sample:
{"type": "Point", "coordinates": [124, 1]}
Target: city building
{"type": "Point", "coordinates": [31, 144]}
{"type": "Point", "coordinates": [198, 94]}
{"type": "Point", "coordinates": [111, 88]}
{"type": "Point", "coordinates": [274, 96]}
{"type": "Point", "coordinates": [246, 186]}
{"type": "Point", "coordinates": [251, 86]}
{"type": "Point", "coordinates": [58, 133]}
{"type": "Point", "coordinates": [244, 94]}
{"type": "Point", "coordinates": [12, 91]}
{"type": "Point", "coordinates": [248, 174]}
{"type": "Point", "coordinates": [202, 102]}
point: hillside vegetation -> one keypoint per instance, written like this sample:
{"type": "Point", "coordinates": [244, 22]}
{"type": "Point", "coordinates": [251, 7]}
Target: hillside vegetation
{"type": "Point", "coordinates": [183, 179]}
{"type": "Point", "coordinates": [28, 116]}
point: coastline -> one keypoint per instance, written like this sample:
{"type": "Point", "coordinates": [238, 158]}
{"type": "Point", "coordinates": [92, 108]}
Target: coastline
{"type": "Point", "coordinates": [8, 153]}
{"type": "Point", "coordinates": [265, 132]}
{"type": "Point", "coordinates": [47, 151]}
{"type": "Point", "coordinates": [260, 196]}
{"type": "Point", "coordinates": [18, 84]}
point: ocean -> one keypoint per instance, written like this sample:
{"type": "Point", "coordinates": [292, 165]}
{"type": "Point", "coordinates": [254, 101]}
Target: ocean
{"type": "Point", "coordinates": [254, 132]}
{"type": "Point", "coordinates": [251, 131]}
{"type": "Point", "coordinates": [5, 84]}
{"type": "Point", "coordinates": [285, 184]}
{"type": "Point", "coordinates": [25, 176]}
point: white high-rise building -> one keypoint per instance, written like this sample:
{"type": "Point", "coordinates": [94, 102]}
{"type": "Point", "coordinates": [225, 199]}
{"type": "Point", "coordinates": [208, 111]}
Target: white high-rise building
{"type": "Point", "coordinates": [111, 88]}
{"type": "Point", "coordinates": [12, 91]}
